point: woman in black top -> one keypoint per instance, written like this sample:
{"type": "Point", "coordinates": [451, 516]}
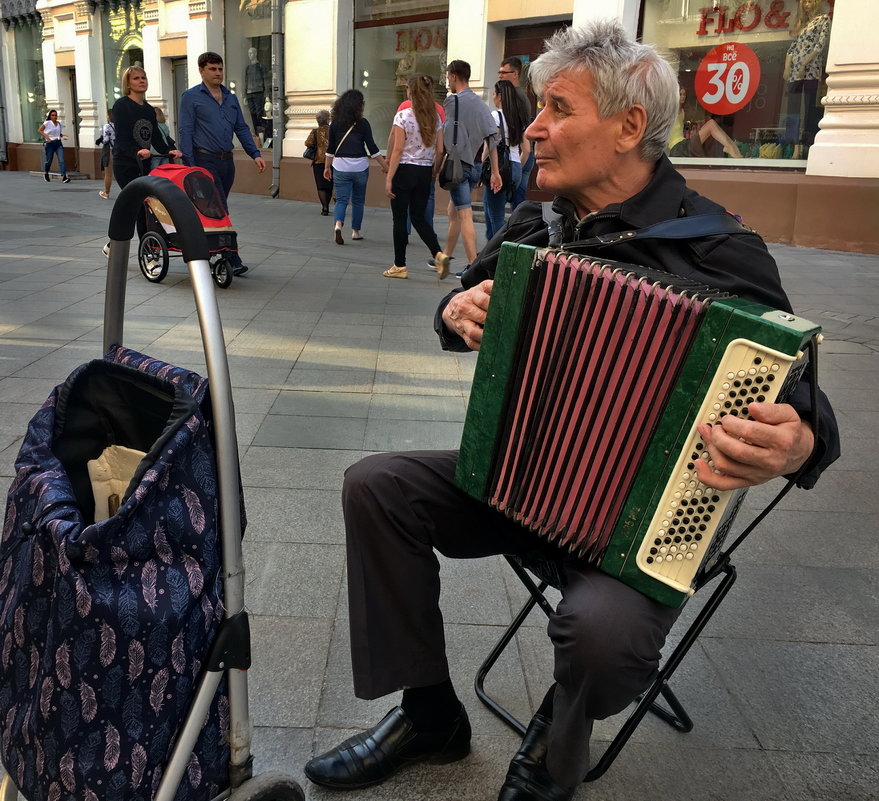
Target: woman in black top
{"type": "Point", "coordinates": [347, 162]}
{"type": "Point", "coordinates": [136, 129]}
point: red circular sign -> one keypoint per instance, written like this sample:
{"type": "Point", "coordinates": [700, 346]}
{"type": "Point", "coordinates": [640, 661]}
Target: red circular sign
{"type": "Point", "coordinates": [727, 78]}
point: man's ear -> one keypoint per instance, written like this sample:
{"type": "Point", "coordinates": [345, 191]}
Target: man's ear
{"type": "Point", "coordinates": [633, 124]}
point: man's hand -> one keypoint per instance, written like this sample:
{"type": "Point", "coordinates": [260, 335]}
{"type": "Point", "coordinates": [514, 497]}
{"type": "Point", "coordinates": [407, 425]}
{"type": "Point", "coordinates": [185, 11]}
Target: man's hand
{"type": "Point", "coordinates": [774, 442]}
{"type": "Point", "coordinates": [260, 163]}
{"type": "Point", "coordinates": [465, 313]}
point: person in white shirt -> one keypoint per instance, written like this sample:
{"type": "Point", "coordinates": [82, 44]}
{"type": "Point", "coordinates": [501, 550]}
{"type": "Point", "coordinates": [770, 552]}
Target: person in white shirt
{"type": "Point", "coordinates": [52, 131]}
{"type": "Point", "coordinates": [415, 155]}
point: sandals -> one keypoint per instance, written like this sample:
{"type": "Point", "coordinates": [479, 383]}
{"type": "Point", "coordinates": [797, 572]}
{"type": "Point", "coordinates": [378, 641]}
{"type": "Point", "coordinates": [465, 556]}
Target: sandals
{"type": "Point", "coordinates": [396, 272]}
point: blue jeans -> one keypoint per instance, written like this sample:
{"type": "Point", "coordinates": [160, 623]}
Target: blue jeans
{"type": "Point", "coordinates": [350, 186]}
{"type": "Point", "coordinates": [496, 202]}
{"type": "Point", "coordinates": [52, 148]}
{"type": "Point", "coordinates": [461, 194]}
{"type": "Point", "coordinates": [158, 161]}
{"type": "Point", "coordinates": [522, 188]}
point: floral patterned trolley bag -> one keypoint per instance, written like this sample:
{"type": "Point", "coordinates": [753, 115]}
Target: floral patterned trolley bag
{"type": "Point", "coordinates": [110, 586]}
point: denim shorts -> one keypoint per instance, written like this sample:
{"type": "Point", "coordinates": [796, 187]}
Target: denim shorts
{"type": "Point", "coordinates": [461, 193]}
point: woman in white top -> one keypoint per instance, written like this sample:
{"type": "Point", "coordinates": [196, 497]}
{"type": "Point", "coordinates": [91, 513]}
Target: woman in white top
{"type": "Point", "coordinates": [108, 142]}
{"type": "Point", "coordinates": [51, 131]}
{"type": "Point", "coordinates": [413, 160]}
{"type": "Point", "coordinates": [512, 120]}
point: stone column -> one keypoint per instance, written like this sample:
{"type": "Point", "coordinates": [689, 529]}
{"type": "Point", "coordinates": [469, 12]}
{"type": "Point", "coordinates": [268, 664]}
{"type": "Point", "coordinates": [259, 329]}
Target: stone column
{"type": "Point", "coordinates": [318, 68]}
{"type": "Point", "coordinates": [205, 32]}
{"type": "Point", "coordinates": [626, 11]}
{"type": "Point", "coordinates": [468, 40]}
{"type": "Point", "coordinates": [89, 76]}
{"type": "Point", "coordinates": [847, 143]}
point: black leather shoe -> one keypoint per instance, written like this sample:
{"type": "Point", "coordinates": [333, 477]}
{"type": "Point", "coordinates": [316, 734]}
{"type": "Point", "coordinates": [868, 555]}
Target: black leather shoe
{"type": "Point", "coordinates": [376, 754]}
{"type": "Point", "coordinates": [240, 269]}
{"type": "Point", "coordinates": [527, 777]}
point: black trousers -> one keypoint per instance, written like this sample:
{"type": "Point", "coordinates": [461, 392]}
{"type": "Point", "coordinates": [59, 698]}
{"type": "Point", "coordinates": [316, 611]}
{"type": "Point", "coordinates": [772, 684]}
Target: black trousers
{"type": "Point", "coordinates": [401, 507]}
{"type": "Point", "coordinates": [411, 187]}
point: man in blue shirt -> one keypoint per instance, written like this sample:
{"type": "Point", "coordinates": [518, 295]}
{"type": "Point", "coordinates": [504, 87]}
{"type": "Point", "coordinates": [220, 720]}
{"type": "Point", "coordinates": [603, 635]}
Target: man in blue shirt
{"type": "Point", "coordinates": [209, 115]}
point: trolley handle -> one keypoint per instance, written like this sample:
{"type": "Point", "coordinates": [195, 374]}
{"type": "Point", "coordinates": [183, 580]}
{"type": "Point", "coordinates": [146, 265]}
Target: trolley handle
{"type": "Point", "coordinates": [179, 206]}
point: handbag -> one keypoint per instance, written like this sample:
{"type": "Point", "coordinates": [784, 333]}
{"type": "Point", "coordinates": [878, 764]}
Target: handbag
{"type": "Point", "coordinates": [503, 163]}
{"type": "Point", "coordinates": [310, 153]}
{"type": "Point", "coordinates": [451, 171]}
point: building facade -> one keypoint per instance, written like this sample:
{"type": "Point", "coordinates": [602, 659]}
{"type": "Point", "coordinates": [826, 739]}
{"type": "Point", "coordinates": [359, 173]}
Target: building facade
{"type": "Point", "coordinates": [779, 115]}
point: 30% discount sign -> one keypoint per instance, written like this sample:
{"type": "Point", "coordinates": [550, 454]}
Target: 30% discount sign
{"type": "Point", "coordinates": [727, 78]}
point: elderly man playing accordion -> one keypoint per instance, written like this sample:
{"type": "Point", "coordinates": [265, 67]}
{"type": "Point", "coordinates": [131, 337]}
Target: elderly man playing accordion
{"type": "Point", "coordinates": [608, 108]}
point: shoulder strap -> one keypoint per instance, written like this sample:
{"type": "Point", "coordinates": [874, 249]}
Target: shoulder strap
{"type": "Point", "coordinates": [344, 137]}
{"type": "Point", "coordinates": [695, 227]}
{"type": "Point", "coordinates": [455, 125]}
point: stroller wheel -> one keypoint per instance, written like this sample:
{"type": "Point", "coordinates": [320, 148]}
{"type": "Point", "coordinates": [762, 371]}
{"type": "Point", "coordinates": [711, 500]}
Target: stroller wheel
{"type": "Point", "coordinates": [152, 256]}
{"type": "Point", "coordinates": [221, 270]}
{"type": "Point", "coordinates": [270, 786]}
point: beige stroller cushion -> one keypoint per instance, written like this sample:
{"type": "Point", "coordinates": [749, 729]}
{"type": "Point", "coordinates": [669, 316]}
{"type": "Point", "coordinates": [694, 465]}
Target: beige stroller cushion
{"type": "Point", "coordinates": [110, 475]}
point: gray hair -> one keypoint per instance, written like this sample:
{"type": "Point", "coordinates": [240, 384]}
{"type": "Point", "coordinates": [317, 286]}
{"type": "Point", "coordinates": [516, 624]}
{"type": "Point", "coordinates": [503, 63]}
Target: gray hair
{"type": "Point", "coordinates": [624, 73]}
{"type": "Point", "coordinates": [322, 117]}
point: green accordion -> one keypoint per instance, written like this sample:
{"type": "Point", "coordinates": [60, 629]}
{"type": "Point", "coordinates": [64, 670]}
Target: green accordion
{"type": "Point", "coordinates": [590, 382]}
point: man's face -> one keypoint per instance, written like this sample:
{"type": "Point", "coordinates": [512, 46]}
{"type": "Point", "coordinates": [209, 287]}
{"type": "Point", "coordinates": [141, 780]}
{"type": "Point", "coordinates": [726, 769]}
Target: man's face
{"type": "Point", "coordinates": [574, 149]}
{"type": "Point", "coordinates": [507, 73]}
{"type": "Point", "coordinates": [451, 82]}
{"type": "Point", "coordinates": [212, 75]}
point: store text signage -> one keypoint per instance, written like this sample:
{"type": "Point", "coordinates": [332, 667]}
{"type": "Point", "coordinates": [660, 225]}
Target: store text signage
{"type": "Point", "coordinates": [425, 38]}
{"type": "Point", "coordinates": [727, 78]}
{"type": "Point", "coordinates": [746, 17]}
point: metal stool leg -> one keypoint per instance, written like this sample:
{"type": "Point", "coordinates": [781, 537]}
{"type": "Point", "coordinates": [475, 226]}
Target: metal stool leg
{"type": "Point", "coordinates": [676, 716]}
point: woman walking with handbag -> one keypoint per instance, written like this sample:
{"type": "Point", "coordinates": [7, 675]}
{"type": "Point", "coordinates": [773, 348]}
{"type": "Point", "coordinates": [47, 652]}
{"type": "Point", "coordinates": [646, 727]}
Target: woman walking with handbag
{"type": "Point", "coordinates": [316, 150]}
{"type": "Point", "coordinates": [349, 149]}
{"type": "Point", "coordinates": [511, 117]}
{"type": "Point", "coordinates": [52, 131]}
{"type": "Point", "coordinates": [415, 154]}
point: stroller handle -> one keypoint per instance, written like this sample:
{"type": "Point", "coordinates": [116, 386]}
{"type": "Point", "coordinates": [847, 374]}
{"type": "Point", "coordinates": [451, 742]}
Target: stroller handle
{"type": "Point", "coordinates": [179, 206]}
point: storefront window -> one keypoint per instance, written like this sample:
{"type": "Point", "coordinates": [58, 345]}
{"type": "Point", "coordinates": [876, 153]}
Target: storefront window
{"type": "Point", "coordinates": [248, 62]}
{"type": "Point", "coordinates": [31, 88]}
{"type": "Point", "coordinates": [388, 49]}
{"type": "Point", "coordinates": [751, 76]}
{"type": "Point", "coordinates": [123, 48]}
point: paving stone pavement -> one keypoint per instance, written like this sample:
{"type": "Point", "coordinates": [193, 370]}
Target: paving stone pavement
{"type": "Point", "coordinates": [331, 361]}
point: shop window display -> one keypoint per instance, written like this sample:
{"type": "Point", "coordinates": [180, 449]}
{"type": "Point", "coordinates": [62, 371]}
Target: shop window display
{"type": "Point", "coordinates": [389, 47]}
{"type": "Point", "coordinates": [248, 63]}
{"type": "Point", "coordinates": [751, 74]}
{"type": "Point", "coordinates": [31, 88]}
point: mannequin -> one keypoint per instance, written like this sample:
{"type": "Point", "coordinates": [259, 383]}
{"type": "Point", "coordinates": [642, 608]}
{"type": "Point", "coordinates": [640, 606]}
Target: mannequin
{"type": "Point", "coordinates": [699, 141]}
{"type": "Point", "coordinates": [255, 90]}
{"type": "Point", "coordinates": [803, 71]}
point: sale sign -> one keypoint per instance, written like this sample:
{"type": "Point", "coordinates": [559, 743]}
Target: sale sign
{"type": "Point", "coordinates": [727, 78]}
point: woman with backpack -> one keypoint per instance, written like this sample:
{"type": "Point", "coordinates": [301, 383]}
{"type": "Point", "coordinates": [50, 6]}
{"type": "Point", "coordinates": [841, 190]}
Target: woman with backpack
{"type": "Point", "coordinates": [512, 118]}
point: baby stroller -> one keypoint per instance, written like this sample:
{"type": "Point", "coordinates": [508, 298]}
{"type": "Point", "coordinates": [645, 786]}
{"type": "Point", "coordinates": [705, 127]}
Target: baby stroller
{"type": "Point", "coordinates": [161, 238]}
{"type": "Point", "coordinates": [125, 642]}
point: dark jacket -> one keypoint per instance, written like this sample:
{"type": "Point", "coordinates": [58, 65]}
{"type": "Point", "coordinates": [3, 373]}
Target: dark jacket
{"type": "Point", "coordinates": [739, 264]}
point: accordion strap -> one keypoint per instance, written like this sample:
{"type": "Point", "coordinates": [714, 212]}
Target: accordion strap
{"type": "Point", "coordinates": [695, 227]}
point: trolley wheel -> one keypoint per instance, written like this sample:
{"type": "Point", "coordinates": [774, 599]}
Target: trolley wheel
{"type": "Point", "coordinates": [152, 256]}
{"type": "Point", "coordinates": [221, 271]}
{"type": "Point", "coordinates": [270, 786]}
